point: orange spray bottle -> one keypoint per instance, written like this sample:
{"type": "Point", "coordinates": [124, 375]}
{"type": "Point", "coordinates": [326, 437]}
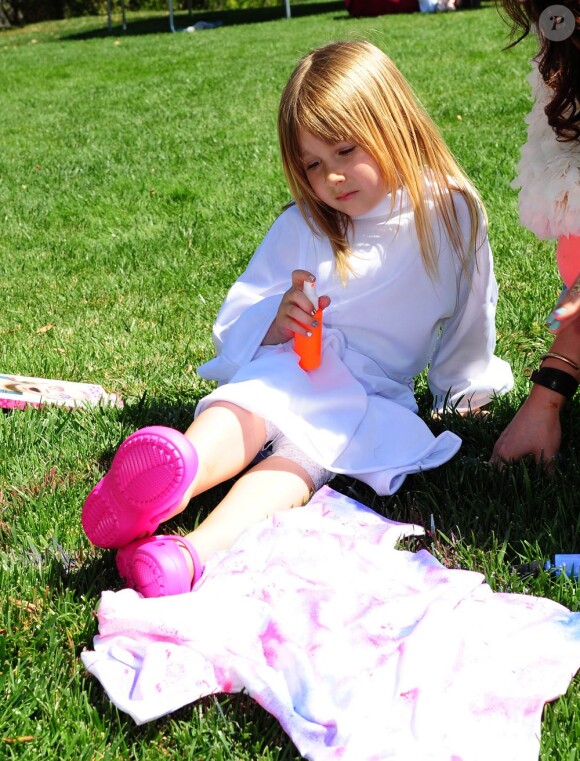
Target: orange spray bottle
{"type": "Point", "coordinates": [309, 348]}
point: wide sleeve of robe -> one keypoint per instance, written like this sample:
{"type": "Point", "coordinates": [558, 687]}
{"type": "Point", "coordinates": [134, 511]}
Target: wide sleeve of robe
{"type": "Point", "coordinates": [252, 302]}
{"type": "Point", "coordinates": [464, 372]}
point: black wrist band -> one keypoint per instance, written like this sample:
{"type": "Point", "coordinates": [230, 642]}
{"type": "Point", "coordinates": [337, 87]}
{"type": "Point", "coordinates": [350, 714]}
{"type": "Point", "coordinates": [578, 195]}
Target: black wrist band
{"type": "Point", "coordinates": [557, 380]}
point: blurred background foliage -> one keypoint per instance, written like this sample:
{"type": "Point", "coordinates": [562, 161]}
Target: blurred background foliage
{"type": "Point", "coordinates": [19, 12]}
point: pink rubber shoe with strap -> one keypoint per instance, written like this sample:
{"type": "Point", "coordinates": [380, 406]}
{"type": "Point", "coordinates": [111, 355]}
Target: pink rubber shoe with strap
{"type": "Point", "coordinates": [149, 476]}
{"type": "Point", "coordinates": [156, 566]}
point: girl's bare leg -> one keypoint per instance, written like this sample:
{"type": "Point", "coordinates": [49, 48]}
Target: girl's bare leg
{"type": "Point", "coordinates": [227, 438]}
{"type": "Point", "coordinates": [273, 485]}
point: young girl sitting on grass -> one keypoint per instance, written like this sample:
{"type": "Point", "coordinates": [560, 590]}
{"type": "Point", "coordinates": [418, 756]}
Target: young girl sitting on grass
{"type": "Point", "coordinates": [394, 236]}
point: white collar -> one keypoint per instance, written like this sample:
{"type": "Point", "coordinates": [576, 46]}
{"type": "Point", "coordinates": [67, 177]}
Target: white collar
{"type": "Point", "coordinates": [382, 210]}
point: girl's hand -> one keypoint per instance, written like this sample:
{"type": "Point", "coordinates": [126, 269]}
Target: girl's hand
{"type": "Point", "coordinates": [295, 311]}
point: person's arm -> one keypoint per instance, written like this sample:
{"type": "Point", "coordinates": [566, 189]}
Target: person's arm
{"type": "Point", "coordinates": [536, 430]}
{"type": "Point", "coordinates": [568, 307]}
{"type": "Point", "coordinates": [252, 303]}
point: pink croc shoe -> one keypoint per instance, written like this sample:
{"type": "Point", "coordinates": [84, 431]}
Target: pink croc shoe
{"type": "Point", "coordinates": [148, 478]}
{"type": "Point", "coordinates": [156, 567]}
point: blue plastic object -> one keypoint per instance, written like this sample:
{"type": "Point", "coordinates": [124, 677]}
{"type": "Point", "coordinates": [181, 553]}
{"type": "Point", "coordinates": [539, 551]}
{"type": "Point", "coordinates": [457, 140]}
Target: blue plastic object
{"type": "Point", "coordinates": [567, 564]}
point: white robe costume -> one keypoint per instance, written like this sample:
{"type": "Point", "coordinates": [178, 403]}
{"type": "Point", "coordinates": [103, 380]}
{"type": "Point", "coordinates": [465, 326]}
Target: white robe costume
{"type": "Point", "coordinates": [356, 414]}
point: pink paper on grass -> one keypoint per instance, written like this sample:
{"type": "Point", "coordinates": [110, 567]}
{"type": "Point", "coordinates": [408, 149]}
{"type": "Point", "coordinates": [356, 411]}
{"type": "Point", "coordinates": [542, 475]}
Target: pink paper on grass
{"type": "Point", "coordinates": [20, 391]}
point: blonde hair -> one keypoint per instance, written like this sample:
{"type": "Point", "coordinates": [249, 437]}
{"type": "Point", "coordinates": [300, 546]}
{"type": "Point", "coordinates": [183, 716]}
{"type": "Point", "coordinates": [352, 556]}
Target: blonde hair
{"type": "Point", "coordinates": [353, 91]}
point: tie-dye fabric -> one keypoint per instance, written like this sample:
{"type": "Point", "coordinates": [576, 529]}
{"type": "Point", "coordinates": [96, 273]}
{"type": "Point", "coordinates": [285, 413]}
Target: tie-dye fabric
{"type": "Point", "coordinates": [363, 652]}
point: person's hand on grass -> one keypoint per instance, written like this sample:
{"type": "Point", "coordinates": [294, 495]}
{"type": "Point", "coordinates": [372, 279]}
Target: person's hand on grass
{"type": "Point", "coordinates": [535, 430]}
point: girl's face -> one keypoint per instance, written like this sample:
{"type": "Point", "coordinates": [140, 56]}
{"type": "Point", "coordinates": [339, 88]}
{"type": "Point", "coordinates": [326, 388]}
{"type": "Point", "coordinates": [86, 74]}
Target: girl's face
{"type": "Point", "coordinates": [341, 175]}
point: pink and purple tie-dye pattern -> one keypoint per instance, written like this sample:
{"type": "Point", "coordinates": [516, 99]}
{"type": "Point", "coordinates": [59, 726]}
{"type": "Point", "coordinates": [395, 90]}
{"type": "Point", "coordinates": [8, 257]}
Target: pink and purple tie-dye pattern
{"type": "Point", "coordinates": [361, 651]}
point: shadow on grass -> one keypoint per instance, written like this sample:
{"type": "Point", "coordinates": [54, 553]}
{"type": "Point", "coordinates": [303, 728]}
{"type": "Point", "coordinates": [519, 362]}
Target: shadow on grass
{"type": "Point", "coordinates": [158, 24]}
{"type": "Point", "coordinates": [467, 493]}
{"type": "Point", "coordinates": [155, 24]}
{"type": "Point", "coordinates": [467, 497]}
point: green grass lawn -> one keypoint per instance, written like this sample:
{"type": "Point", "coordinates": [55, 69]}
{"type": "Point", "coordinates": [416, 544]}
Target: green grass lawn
{"type": "Point", "coordinates": [138, 172]}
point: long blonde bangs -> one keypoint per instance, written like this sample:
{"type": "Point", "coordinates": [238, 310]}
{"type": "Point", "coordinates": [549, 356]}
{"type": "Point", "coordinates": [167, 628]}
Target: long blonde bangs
{"type": "Point", "coordinates": [353, 91]}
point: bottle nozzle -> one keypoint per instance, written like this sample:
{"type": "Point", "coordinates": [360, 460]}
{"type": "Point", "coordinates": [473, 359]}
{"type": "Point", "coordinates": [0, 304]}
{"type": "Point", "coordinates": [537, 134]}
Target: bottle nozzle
{"type": "Point", "coordinates": [310, 291]}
